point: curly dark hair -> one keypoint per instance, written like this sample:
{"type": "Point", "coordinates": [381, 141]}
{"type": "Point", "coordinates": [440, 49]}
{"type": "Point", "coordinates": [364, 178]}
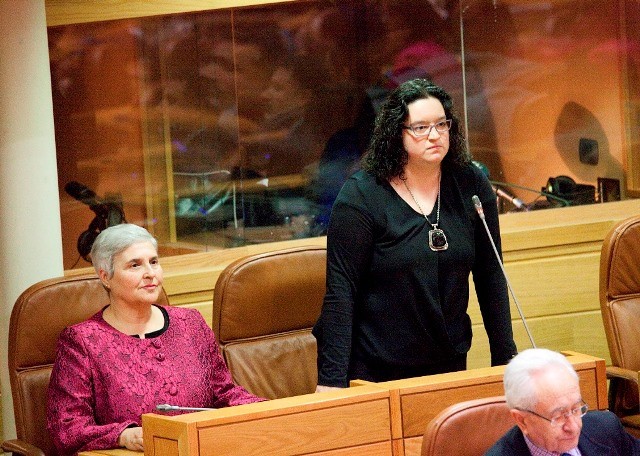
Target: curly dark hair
{"type": "Point", "coordinates": [386, 157]}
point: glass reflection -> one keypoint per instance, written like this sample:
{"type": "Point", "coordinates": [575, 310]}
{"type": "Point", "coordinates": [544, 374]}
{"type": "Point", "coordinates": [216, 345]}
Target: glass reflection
{"type": "Point", "coordinates": [238, 126]}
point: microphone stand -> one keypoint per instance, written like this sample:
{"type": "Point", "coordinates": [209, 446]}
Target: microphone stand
{"type": "Point", "coordinates": [478, 205]}
{"type": "Point", "coordinates": [564, 202]}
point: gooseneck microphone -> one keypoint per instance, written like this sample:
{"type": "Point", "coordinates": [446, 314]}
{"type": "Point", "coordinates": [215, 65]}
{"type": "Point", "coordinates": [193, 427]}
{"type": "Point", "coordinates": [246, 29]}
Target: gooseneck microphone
{"type": "Point", "coordinates": [480, 211]}
{"type": "Point", "coordinates": [173, 408]}
{"type": "Point", "coordinates": [563, 201]}
{"type": "Point", "coordinates": [517, 202]}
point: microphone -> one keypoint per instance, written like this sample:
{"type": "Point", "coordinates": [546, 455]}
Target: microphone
{"type": "Point", "coordinates": [563, 201]}
{"type": "Point", "coordinates": [480, 211]}
{"type": "Point", "coordinates": [174, 408]}
{"type": "Point", "coordinates": [517, 202]}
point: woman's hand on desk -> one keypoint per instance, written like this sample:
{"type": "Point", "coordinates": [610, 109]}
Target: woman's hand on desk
{"type": "Point", "coordinates": [322, 388]}
{"type": "Point", "coordinates": [131, 439]}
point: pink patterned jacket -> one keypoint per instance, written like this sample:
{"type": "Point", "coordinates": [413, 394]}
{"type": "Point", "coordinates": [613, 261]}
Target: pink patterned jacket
{"type": "Point", "coordinates": [103, 380]}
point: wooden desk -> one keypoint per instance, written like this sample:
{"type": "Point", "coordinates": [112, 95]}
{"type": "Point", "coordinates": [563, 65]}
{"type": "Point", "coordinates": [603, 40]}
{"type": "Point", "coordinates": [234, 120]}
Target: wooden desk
{"type": "Point", "coordinates": [367, 419]}
{"type": "Point", "coordinates": [416, 401]}
{"type": "Point", "coordinates": [354, 421]}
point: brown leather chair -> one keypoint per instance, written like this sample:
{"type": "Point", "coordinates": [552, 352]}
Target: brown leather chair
{"type": "Point", "coordinates": [38, 316]}
{"type": "Point", "coordinates": [620, 307]}
{"type": "Point", "coordinates": [469, 428]}
{"type": "Point", "coordinates": [264, 307]}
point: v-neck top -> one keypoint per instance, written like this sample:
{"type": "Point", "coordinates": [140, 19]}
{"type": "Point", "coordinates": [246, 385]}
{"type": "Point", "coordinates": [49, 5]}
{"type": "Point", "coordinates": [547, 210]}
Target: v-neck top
{"type": "Point", "coordinates": [392, 302]}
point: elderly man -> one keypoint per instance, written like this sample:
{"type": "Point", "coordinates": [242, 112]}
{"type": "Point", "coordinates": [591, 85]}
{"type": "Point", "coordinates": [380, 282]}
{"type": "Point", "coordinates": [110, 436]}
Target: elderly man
{"type": "Point", "coordinates": [542, 390]}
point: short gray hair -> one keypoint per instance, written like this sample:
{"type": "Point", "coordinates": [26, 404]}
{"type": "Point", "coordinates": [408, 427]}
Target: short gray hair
{"type": "Point", "coordinates": [114, 240]}
{"type": "Point", "coordinates": [519, 387]}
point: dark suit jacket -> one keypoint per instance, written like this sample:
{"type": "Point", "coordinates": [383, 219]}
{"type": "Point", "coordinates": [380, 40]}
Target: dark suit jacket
{"type": "Point", "coordinates": [602, 435]}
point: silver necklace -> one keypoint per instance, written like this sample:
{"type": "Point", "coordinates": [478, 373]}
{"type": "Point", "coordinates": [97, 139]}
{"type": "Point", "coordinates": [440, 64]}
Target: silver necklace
{"type": "Point", "coordinates": [437, 238]}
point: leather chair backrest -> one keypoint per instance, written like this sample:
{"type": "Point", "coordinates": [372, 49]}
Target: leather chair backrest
{"type": "Point", "coordinates": [620, 292]}
{"type": "Point", "coordinates": [39, 315]}
{"type": "Point", "coordinates": [620, 300]}
{"type": "Point", "coordinates": [264, 307]}
{"type": "Point", "coordinates": [468, 428]}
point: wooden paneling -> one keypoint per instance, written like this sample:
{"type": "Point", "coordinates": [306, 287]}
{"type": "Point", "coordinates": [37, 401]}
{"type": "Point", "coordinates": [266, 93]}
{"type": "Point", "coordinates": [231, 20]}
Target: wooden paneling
{"type": "Point", "coordinates": [342, 426]}
{"type": "Point", "coordinates": [552, 261]}
{"type": "Point", "coordinates": [418, 400]}
{"type": "Point", "coordinates": [351, 421]}
{"type": "Point", "coordinates": [63, 12]}
{"type": "Point", "coordinates": [421, 399]}
{"type": "Point", "coordinates": [582, 332]}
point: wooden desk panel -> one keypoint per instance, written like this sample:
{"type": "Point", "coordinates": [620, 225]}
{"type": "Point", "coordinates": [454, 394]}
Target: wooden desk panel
{"type": "Point", "coordinates": [339, 426]}
{"type": "Point", "coordinates": [417, 401]}
{"type": "Point", "coordinates": [351, 421]}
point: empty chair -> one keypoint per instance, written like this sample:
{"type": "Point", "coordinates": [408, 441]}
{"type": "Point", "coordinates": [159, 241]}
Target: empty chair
{"type": "Point", "coordinates": [469, 428]}
{"type": "Point", "coordinates": [264, 307]}
{"type": "Point", "coordinates": [41, 312]}
{"type": "Point", "coordinates": [620, 307]}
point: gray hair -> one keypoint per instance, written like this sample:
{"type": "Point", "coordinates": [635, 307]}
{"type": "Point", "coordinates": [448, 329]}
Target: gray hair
{"type": "Point", "coordinates": [114, 240]}
{"type": "Point", "coordinates": [519, 388]}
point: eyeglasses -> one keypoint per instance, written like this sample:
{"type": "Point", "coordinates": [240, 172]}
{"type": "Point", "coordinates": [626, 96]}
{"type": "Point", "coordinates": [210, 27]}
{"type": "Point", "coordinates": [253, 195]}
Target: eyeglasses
{"type": "Point", "coordinates": [425, 129]}
{"type": "Point", "coordinates": [561, 418]}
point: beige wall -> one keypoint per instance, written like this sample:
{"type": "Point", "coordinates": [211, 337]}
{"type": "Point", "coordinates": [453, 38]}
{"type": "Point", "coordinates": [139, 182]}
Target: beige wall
{"type": "Point", "coordinates": [30, 240]}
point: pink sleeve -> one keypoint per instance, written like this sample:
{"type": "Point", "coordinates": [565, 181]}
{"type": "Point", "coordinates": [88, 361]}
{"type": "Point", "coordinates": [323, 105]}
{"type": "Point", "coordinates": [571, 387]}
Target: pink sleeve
{"type": "Point", "coordinates": [70, 404]}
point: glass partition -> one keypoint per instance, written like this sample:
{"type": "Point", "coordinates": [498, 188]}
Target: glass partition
{"type": "Point", "coordinates": [239, 125]}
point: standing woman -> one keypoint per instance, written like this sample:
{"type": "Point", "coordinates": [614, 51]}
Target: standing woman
{"type": "Point", "coordinates": [132, 355]}
{"type": "Point", "coordinates": [403, 238]}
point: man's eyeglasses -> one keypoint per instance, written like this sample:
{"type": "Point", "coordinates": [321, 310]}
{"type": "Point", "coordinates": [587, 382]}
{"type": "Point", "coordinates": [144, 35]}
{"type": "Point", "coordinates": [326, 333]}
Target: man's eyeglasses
{"type": "Point", "coordinates": [425, 129]}
{"type": "Point", "coordinates": [561, 418]}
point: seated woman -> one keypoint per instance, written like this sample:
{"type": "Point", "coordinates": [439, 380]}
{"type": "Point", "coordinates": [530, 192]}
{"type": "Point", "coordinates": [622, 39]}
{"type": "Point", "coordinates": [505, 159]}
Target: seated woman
{"type": "Point", "coordinates": [132, 355]}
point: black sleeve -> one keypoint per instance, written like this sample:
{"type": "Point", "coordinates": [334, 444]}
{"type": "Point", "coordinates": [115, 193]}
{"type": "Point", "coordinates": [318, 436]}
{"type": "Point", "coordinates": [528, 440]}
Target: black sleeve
{"type": "Point", "coordinates": [349, 244]}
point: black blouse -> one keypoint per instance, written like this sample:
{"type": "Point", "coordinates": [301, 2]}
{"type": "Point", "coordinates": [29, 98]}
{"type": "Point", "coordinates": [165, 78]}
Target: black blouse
{"type": "Point", "coordinates": [391, 300]}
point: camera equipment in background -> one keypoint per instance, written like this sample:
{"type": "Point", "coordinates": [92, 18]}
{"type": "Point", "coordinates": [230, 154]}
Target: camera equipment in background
{"type": "Point", "coordinates": [109, 212]}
